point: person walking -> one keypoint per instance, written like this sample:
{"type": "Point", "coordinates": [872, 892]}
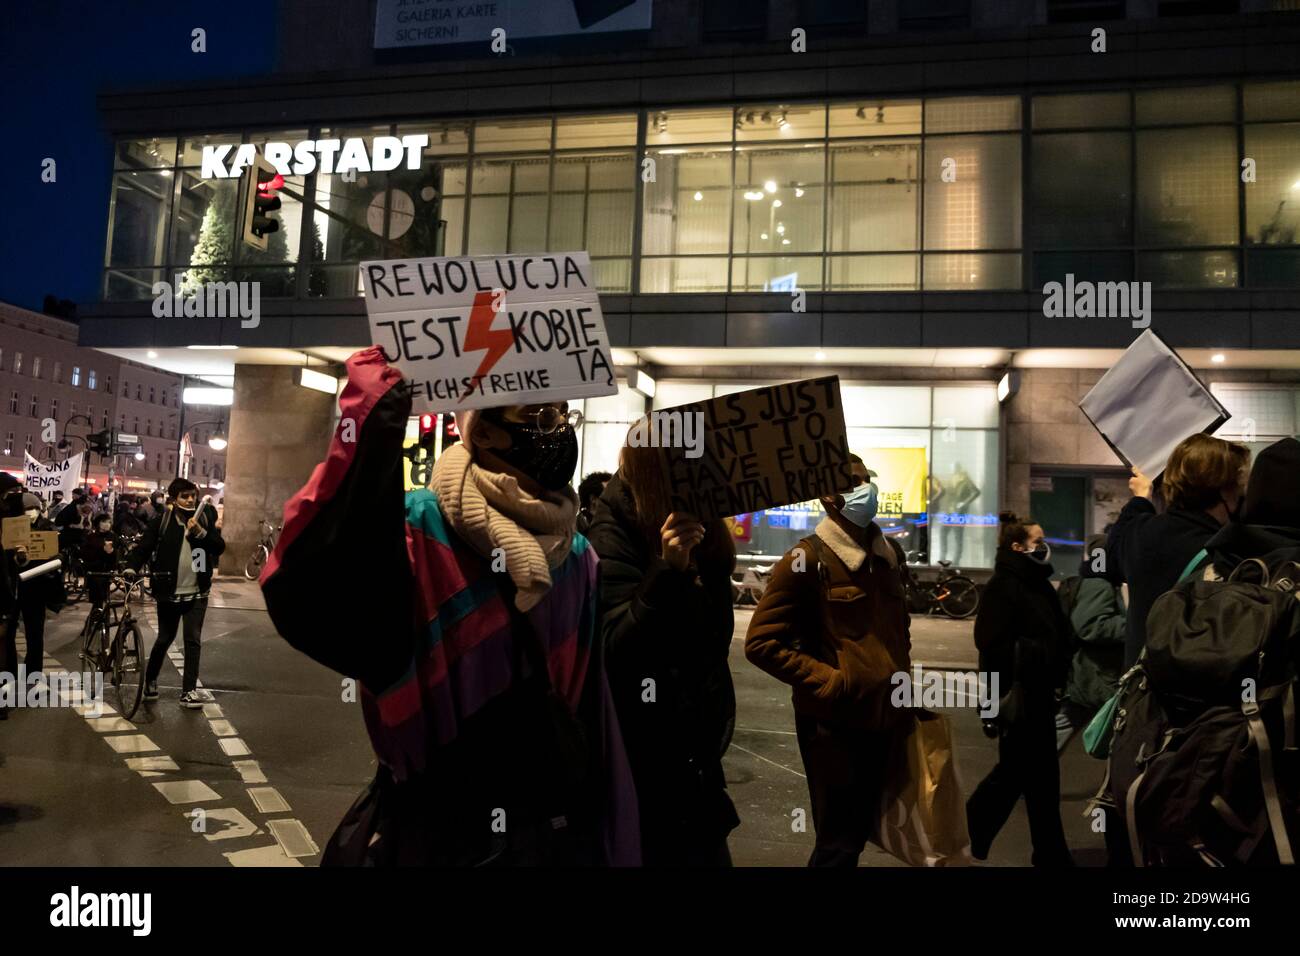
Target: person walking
{"type": "Point", "coordinates": [1268, 527]}
{"type": "Point", "coordinates": [1150, 551]}
{"type": "Point", "coordinates": [35, 596]}
{"type": "Point", "coordinates": [833, 624]}
{"type": "Point", "coordinates": [666, 620]}
{"type": "Point", "coordinates": [181, 547]}
{"type": "Point", "coordinates": [11, 506]}
{"type": "Point", "coordinates": [465, 621]}
{"type": "Point", "coordinates": [1022, 637]}
{"type": "Point", "coordinates": [1095, 609]}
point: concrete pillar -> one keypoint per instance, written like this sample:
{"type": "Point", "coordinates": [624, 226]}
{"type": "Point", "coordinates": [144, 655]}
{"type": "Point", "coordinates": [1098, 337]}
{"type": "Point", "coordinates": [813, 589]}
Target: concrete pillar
{"type": "Point", "coordinates": [279, 432]}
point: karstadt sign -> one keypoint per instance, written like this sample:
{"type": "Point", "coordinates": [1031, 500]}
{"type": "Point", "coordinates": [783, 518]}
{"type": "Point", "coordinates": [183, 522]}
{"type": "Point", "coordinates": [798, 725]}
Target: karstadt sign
{"type": "Point", "coordinates": [329, 155]}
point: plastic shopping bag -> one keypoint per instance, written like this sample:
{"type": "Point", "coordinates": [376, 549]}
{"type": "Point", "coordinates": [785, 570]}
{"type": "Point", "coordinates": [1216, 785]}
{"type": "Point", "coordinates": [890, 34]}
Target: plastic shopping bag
{"type": "Point", "coordinates": [923, 812]}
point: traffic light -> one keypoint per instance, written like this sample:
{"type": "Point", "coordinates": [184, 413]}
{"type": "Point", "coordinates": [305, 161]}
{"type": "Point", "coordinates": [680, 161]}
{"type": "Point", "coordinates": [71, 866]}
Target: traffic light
{"type": "Point", "coordinates": [450, 433]}
{"type": "Point", "coordinates": [100, 442]}
{"type": "Point", "coordinates": [259, 187]}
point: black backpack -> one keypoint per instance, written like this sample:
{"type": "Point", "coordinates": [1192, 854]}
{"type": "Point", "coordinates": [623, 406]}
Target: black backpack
{"type": "Point", "coordinates": [1203, 766]}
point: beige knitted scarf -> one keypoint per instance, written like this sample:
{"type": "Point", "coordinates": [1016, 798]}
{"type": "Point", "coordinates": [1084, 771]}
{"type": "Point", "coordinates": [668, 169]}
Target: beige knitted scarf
{"type": "Point", "coordinates": [488, 510]}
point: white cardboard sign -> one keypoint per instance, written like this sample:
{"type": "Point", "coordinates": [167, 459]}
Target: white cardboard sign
{"type": "Point", "coordinates": [43, 478]}
{"type": "Point", "coordinates": [478, 332]}
{"type": "Point", "coordinates": [1148, 402]}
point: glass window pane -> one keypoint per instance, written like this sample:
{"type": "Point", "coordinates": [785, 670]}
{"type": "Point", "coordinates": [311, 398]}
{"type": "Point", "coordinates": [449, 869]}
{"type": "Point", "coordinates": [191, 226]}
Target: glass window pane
{"type": "Point", "coordinates": [885, 405]}
{"type": "Point", "coordinates": [348, 220]}
{"type": "Point", "coordinates": [497, 136]}
{"type": "Point", "coordinates": [687, 204]}
{"type": "Point", "coordinates": [138, 218]}
{"type": "Point", "coordinates": [778, 200]}
{"type": "Point", "coordinates": [1090, 266]}
{"type": "Point", "coordinates": [488, 223]}
{"type": "Point", "coordinates": [694, 274]}
{"type": "Point", "coordinates": [192, 147]}
{"type": "Point", "coordinates": [609, 223]}
{"type": "Point", "coordinates": [964, 497]}
{"type": "Point", "coordinates": [672, 394]}
{"type": "Point", "coordinates": [527, 224]}
{"type": "Point", "coordinates": [875, 118]}
{"type": "Point", "coordinates": [612, 275]}
{"type": "Point", "coordinates": [145, 153]}
{"type": "Point", "coordinates": [624, 407]}
{"type": "Point", "coordinates": [776, 273]}
{"type": "Point", "coordinates": [1080, 193]}
{"type": "Point", "coordinates": [1200, 104]}
{"type": "Point", "coordinates": [1187, 187]}
{"type": "Point", "coordinates": [206, 226]}
{"type": "Point", "coordinates": [883, 273]}
{"type": "Point", "coordinates": [1271, 101]}
{"type": "Point", "coordinates": [1273, 199]}
{"type": "Point", "coordinates": [780, 122]}
{"type": "Point", "coordinates": [584, 132]}
{"type": "Point", "coordinates": [1273, 268]}
{"type": "Point", "coordinates": [966, 406]}
{"type": "Point", "coordinates": [980, 209]}
{"type": "Point", "coordinates": [1259, 411]}
{"type": "Point", "coordinates": [601, 445]}
{"type": "Point", "coordinates": [1193, 269]}
{"type": "Point", "coordinates": [445, 138]}
{"type": "Point", "coordinates": [958, 272]}
{"type": "Point", "coordinates": [875, 201]}
{"type": "Point", "coordinates": [1081, 110]}
{"type": "Point", "coordinates": [666, 127]}
{"type": "Point", "coordinates": [131, 285]}
{"type": "Point", "coordinates": [972, 113]}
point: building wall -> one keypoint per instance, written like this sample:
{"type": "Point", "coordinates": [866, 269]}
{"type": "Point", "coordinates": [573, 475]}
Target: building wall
{"type": "Point", "coordinates": [54, 341]}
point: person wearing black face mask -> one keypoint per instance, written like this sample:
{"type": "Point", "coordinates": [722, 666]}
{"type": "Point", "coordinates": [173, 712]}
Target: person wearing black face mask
{"type": "Point", "coordinates": [11, 506]}
{"type": "Point", "coordinates": [181, 546]}
{"type": "Point", "coordinates": [1023, 637]}
{"type": "Point", "coordinates": [473, 639]}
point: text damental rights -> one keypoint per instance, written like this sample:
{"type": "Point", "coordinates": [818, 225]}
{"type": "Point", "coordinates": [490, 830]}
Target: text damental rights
{"type": "Point", "coordinates": [492, 330]}
{"type": "Point", "coordinates": [763, 448]}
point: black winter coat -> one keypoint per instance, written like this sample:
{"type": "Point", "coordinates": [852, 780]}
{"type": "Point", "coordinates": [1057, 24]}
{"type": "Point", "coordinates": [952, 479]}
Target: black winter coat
{"type": "Point", "coordinates": [1020, 606]}
{"type": "Point", "coordinates": [667, 626]}
{"type": "Point", "coordinates": [1150, 551]}
{"type": "Point", "coordinates": [160, 546]}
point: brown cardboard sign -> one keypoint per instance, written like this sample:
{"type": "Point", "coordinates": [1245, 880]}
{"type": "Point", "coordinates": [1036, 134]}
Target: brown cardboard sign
{"type": "Point", "coordinates": [744, 452]}
{"type": "Point", "coordinates": [16, 532]}
{"type": "Point", "coordinates": [43, 545]}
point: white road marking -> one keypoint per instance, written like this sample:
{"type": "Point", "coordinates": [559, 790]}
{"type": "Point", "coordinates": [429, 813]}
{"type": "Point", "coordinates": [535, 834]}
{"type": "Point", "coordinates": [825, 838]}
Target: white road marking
{"type": "Point", "coordinates": [249, 771]}
{"type": "Point", "coordinates": [236, 825]}
{"type": "Point", "coordinates": [106, 725]}
{"type": "Point", "coordinates": [293, 838]}
{"type": "Point", "coordinates": [151, 763]}
{"type": "Point", "coordinates": [223, 728]}
{"type": "Point", "coordinates": [186, 791]}
{"type": "Point", "coordinates": [234, 747]}
{"type": "Point", "coordinates": [212, 710]}
{"type": "Point", "coordinates": [268, 800]}
{"type": "Point", "coordinates": [261, 856]}
{"type": "Point", "coordinates": [130, 743]}
{"type": "Point", "coordinates": [736, 746]}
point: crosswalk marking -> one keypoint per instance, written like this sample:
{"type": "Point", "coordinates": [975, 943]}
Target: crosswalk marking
{"type": "Point", "coordinates": [130, 743]}
{"type": "Point", "coordinates": [186, 791]}
{"type": "Point", "coordinates": [268, 800]}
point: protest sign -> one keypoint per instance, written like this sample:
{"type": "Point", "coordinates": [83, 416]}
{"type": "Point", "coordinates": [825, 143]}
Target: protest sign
{"type": "Point", "coordinates": [752, 450]}
{"type": "Point", "coordinates": [491, 330]}
{"type": "Point", "coordinates": [1148, 402]}
{"type": "Point", "coordinates": [43, 478]}
{"type": "Point", "coordinates": [18, 533]}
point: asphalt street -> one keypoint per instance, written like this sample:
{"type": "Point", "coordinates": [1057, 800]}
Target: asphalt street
{"type": "Point", "coordinates": [278, 755]}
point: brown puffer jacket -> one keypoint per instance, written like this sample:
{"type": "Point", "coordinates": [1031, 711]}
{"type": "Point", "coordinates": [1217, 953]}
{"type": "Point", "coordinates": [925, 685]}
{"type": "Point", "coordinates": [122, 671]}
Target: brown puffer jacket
{"type": "Point", "coordinates": [837, 630]}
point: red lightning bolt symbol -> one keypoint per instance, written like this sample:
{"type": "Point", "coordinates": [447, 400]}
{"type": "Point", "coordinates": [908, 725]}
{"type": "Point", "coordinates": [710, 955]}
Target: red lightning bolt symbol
{"type": "Point", "coordinates": [481, 335]}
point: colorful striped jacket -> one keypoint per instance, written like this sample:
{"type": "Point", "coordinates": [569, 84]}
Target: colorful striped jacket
{"type": "Point", "coordinates": [376, 585]}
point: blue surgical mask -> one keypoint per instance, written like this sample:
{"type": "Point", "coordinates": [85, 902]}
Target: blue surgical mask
{"type": "Point", "coordinates": [860, 504]}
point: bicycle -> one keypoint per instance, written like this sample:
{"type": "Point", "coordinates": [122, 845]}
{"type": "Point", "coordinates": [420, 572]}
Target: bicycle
{"type": "Point", "coordinates": [112, 641]}
{"type": "Point", "coordinates": [952, 592]}
{"type": "Point", "coordinates": [257, 560]}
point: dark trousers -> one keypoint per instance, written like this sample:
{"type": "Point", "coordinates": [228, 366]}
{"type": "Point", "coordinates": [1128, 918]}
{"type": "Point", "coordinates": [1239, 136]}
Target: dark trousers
{"type": "Point", "coordinates": [1027, 766]}
{"type": "Point", "coordinates": [172, 614]}
{"type": "Point", "coordinates": [31, 608]}
{"type": "Point", "coordinates": [846, 776]}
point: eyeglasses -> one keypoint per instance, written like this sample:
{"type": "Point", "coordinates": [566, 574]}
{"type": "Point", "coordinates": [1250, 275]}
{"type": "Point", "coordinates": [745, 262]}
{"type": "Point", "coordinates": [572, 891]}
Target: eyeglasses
{"type": "Point", "coordinates": [548, 419]}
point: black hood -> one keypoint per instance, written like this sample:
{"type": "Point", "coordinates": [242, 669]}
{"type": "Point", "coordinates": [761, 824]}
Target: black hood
{"type": "Point", "coordinates": [1236, 542]}
{"type": "Point", "coordinates": [1273, 491]}
{"type": "Point", "coordinates": [1022, 566]}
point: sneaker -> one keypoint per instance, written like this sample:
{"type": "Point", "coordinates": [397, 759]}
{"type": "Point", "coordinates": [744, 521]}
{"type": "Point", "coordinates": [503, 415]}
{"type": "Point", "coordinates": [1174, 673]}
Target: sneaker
{"type": "Point", "coordinates": [151, 690]}
{"type": "Point", "coordinates": [191, 700]}
{"type": "Point", "coordinates": [1064, 731]}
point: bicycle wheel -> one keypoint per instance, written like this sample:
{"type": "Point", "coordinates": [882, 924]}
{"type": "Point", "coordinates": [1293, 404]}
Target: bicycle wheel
{"type": "Point", "coordinates": [961, 598]}
{"type": "Point", "coordinates": [128, 669]}
{"type": "Point", "coordinates": [256, 561]}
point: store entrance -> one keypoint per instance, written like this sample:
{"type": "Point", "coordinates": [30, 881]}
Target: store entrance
{"type": "Point", "coordinates": [1072, 505]}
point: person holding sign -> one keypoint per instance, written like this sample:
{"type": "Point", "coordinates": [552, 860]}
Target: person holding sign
{"type": "Point", "coordinates": [666, 620]}
{"type": "Point", "coordinates": [34, 595]}
{"type": "Point", "coordinates": [464, 622]}
{"type": "Point", "coordinates": [833, 624]}
{"type": "Point", "coordinates": [11, 506]}
{"type": "Point", "coordinates": [182, 546]}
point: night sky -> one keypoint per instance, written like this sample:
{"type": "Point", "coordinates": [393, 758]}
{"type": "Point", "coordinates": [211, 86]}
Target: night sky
{"type": "Point", "coordinates": [56, 56]}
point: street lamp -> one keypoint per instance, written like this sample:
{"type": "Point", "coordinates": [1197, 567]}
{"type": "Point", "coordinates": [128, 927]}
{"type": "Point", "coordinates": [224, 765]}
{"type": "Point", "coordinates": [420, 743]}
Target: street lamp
{"type": "Point", "coordinates": [64, 444]}
{"type": "Point", "coordinates": [217, 441]}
